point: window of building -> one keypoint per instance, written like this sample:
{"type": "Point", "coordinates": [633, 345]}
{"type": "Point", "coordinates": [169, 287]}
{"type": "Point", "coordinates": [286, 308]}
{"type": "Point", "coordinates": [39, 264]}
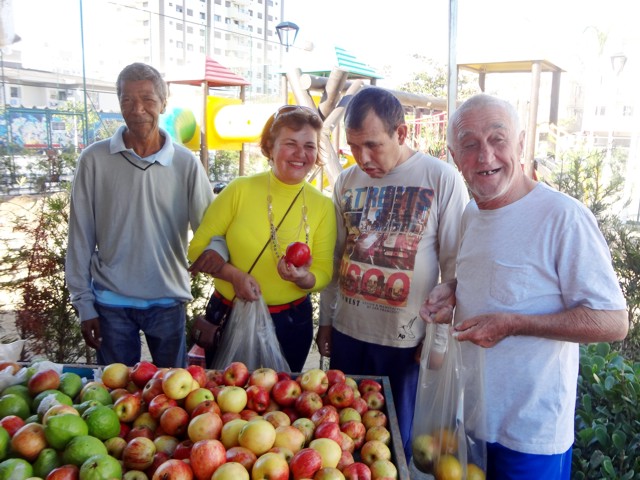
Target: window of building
{"type": "Point", "coordinates": [217, 51]}
{"type": "Point", "coordinates": [189, 47]}
{"type": "Point", "coordinates": [218, 2]}
{"type": "Point", "coordinates": [145, 4]}
{"type": "Point", "coordinates": [179, 44]}
{"type": "Point", "coordinates": [189, 12]}
{"type": "Point", "coordinates": [179, 8]}
{"type": "Point", "coordinates": [217, 34]}
{"type": "Point", "coordinates": [627, 111]}
{"type": "Point", "coordinates": [62, 95]}
{"type": "Point", "coordinates": [260, 15]}
{"type": "Point", "coordinates": [189, 29]}
{"type": "Point", "coordinates": [217, 18]}
{"type": "Point", "coordinates": [145, 23]}
{"type": "Point", "coordinates": [203, 32]}
{"type": "Point", "coordinates": [179, 26]}
{"type": "Point", "coordinates": [227, 36]}
{"type": "Point", "coordinates": [601, 111]}
{"type": "Point", "coordinates": [14, 92]}
{"type": "Point", "coordinates": [270, 18]}
{"type": "Point", "coordinates": [203, 16]}
{"type": "Point", "coordinates": [202, 50]}
{"type": "Point", "coordinates": [259, 30]}
{"type": "Point", "coordinates": [227, 20]}
{"type": "Point", "coordinates": [227, 3]}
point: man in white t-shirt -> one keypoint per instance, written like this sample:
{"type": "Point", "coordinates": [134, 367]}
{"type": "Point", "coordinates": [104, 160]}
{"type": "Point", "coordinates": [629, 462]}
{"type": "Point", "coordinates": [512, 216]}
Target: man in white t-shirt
{"type": "Point", "coordinates": [534, 279]}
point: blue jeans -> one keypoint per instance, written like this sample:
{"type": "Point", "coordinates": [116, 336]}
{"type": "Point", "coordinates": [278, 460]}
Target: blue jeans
{"type": "Point", "coordinates": [506, 464]}
{"type": "Point", "coordinates": [355, 357]}
{"type": "Point", "coordinates": [163, 327]}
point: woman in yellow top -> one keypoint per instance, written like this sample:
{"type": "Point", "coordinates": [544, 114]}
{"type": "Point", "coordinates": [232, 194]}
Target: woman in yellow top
{"type": "Point", "coordinates": [247, 213]}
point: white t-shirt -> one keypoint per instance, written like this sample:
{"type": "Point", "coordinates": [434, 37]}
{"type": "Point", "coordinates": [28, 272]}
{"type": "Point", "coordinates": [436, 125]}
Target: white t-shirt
{"type": "Point", "coordinates": [541, 254]}
{"type": "Point", "coordinates": [397, 235]}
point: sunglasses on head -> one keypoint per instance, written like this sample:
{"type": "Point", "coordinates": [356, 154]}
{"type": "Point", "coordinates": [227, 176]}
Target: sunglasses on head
{"type": "Point", "coordinates": [293, 108]}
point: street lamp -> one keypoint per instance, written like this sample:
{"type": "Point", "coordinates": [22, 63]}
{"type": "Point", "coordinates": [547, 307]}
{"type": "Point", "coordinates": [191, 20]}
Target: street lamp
{"type": "Point", "coordinates": [287, 33]}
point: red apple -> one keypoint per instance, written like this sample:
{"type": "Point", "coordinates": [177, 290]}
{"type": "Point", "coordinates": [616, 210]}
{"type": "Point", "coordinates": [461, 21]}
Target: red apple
{"type": "Point", "coordinates": [284, 376]}
{"type": "Point", "coordinates": [138, 453]}
{"type": "Point", "coordinates": [347, 444]}
{"type": "Point", "coordinates": [142, 372]}
{"type": "Point", "coordinates": [152, 389]}
{"type": "Point", "coordinates": [375, 400]}
{"type": "Point", "coordinates": [11, 423]}
{"type": "Point", "coordinates": [29, 441]}
{"type": "Point", "coordinates": [340, 395]}
{"type": "Point", "coordinates": [125, 428]}
{"type": "Point", "coordinates": [159, 404]}
{"type": "Point", "coordinates": [183, 450]}
{"type": "Point", "coordinates": [145, 419]}
{"type": "Point", "coordinates": [174, 421]}
{"type": "Point", "coordinates": [284, 451]}
{"type": "Point", "coordinates": [206, 456]}
{"type": "Point", "coordinates": [379, 432]}
{"type": "Point", "coordinates": [140, 431]}
{"type": "Point", "coordinates": [127, 407]}
{"type": "Point", "coordinates": [264, 377]}
{"type": "Point", "coordinates": [328, 473]}
{"type": "Point", "coordinates": [258, 398]}
{"type": "Point", "coordinates": [247, 414]}
{"type": "Point", "coordinates": [270, 466]}
{"type": "Point", "coordinates": [215, 376]}
{"type": "Point", "coordinates": [356, 430]}
{"type": "Point", "coordinates": [242, 455]}
{"type": "Point", "coordinates": [158, 459]}
{"type": "Point", "coordinates": [198, 373]}
{"type": "Point", "coordinates": [345, 459]}
{"type": "Point", "coordinates": [307, 403]}
{"type": "Point", "coordinates": [206, 406]}
{"type": "Point", "coordinates": [369, 384]}
{"type": "Point", "coordinates": [228, 416]}
{"type": "Point", "coordinates": [11, 367]}
{"type": "Point", "coordinates": [326, 413]}
{"type": "Point", "coordinates": [43, 380]}
{"type": "Point", "coordinates": [328, 449]}
{"type": "Point", "coordinates": [336, 376]}
{"type": "Point", "coordinates": [297, 254]}
{"type": "Point", "coordinates": [173, 469]}
{"type": "Point", "coordinates": [360, 405]}
{"type": "Point", "coordinates": [329, 430]}
{"type": "Point", "coordinates": [65, 472]}
{"type": "Point", "coordinates": [285, 392]}
{"type": "Point", "coordinates": [236, 374]}
{"type": "Point", "coordinates": [357, 471]}
{"type": "Point", "coordinates": [305, 463]}
{"type": "Point", "coordinates": [204, 427]}
{"type": "Point", "coordinates": [314, 380]}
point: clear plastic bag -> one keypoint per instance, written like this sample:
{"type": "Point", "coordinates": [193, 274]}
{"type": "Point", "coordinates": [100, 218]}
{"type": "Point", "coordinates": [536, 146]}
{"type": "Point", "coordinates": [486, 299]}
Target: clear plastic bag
{"type": "Point", "coordinates": [449, 414]}
{"type": "Point", "coordinates": [250, 337]}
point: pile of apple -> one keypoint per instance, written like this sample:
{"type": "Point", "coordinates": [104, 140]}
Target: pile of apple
{"type": "Point", "coordinates": [192, 423]}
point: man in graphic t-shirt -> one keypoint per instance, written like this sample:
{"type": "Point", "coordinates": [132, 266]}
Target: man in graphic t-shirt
{"type": "Point", "coordinates": [398, 213]}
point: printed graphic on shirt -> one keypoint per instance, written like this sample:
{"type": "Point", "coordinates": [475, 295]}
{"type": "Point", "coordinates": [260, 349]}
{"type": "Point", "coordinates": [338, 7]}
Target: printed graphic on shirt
{"type": "Point", "coordinates": [384, 227]}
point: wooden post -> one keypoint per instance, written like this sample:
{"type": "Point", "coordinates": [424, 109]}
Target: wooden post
{"type": "Point", "coordinates": [530, 138]}
{"type": "Point", "coordinates": [204, 145]}
{"type": "Point", "coordinates": [331, 94]}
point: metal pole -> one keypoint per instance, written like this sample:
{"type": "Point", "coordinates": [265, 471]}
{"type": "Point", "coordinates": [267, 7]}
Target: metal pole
{"type": "Point", "coordinates": [85, 130]}
{"type": "Point", "coordinates": [452, 90]}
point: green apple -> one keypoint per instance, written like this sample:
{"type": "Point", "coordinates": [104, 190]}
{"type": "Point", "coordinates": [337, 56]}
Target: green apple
{"type": "Point", "coordinates": [47, 460]}
{"type": "Point", "coordinates": [5, 440]}
{"type": "Point", "coordinates": [60, 429]}
{"type": "Point", "coordinates": [100, 467]}
{"type": "Point", "coordinates": [15, 469]}
{"type": "Point", "coordinates": [80, 448]}
{"type": "Point", "coordinates": [70, 384]}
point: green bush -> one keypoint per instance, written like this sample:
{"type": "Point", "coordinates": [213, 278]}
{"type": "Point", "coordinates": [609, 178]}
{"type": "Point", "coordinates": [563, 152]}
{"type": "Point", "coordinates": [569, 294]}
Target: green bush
{"type": "Point", "coordinates": [607, 419]}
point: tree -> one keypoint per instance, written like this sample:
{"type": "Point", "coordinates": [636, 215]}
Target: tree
{"type": "Point", "coordinates": [433, 80]}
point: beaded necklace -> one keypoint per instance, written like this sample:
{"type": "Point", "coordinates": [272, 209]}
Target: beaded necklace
{"type": "Point", "coordinates": [274, 230]}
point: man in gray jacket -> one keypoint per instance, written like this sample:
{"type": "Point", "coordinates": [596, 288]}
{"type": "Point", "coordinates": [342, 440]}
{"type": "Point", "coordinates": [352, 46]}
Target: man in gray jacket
{"type": "Point", "coordinates": [134, 198]}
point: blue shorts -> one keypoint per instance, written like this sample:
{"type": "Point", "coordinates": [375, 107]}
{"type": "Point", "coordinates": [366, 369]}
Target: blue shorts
{"type": "Point", "coordinates": [506, 464]}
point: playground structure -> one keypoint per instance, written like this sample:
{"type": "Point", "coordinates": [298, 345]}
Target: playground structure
{"type": "Point", "coordinates": [228, 123]}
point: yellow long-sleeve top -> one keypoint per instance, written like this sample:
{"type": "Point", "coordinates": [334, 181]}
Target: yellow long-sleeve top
{"type": "Point", "coordinates": [240, 213]}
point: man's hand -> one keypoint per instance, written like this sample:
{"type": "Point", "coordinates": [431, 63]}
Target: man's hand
{"type": "Point", "coordinates": [485, 330]}
{"type": "Point", "coordinates": [438, 306]}
{"type": "Point", "coordinates": [209, 262]}
{"type": "Point", "coordinates": [91, 332]}
{"type": "Point", "coordinates": [323, 340]}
